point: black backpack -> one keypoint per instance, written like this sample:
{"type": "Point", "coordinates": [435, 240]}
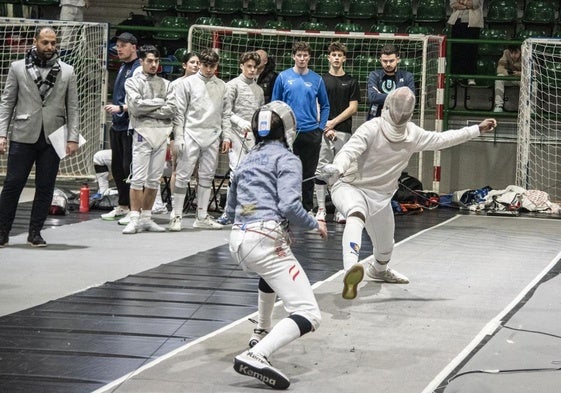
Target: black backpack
{"type": "Point", "coordinates": [407, 184]}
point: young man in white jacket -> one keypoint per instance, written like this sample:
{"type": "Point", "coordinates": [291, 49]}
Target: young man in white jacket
{"type": "Point", "coordinates": [203, 117]}
{"type": "Point", "coordinates": [366, 173]}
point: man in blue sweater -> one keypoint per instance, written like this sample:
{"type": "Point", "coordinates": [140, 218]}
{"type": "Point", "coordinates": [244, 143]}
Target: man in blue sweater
{"type": "Point", "coordinates": [303, 89]}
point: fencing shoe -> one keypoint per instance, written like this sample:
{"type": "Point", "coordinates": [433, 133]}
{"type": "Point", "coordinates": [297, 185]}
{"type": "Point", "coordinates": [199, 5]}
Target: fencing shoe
{"type": "Point", "coordinates": [257, 366]}
{"type": "Point", "coordinates": [125, 220]}
{"type": "Point", "coordinates": [132, 227]}
{"type": "Point", "coordinates": [258, 335]}
{"type": "Point", "coordinates": [175, 223]}
{"type": "Point", "coordinates": [388, 275]}
{"type": "Point", "coordinates": [115, 214]}
{"type": "Point", "coordinates": [149, 225]}
{"type": "Point", "coordinates": [223, 219]}
{"type": "Point", "coordinates": [352, 278]}
{"type": "Point", "coordinates": [207, 223]}
{"type": "Point", "coordinates": [320, 215]}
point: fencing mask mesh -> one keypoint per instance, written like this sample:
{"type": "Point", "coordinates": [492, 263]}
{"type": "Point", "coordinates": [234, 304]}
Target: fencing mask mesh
{"type": "Point", "coordinates": [397, 111]}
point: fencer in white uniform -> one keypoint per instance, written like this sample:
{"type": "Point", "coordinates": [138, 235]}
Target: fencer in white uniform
{"type": "Point", "coordinates": [365, 174]}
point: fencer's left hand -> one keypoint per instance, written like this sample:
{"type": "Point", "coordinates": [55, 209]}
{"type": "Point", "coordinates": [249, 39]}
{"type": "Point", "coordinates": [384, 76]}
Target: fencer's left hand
{"type": "Point", "coordinates": [487, 125]}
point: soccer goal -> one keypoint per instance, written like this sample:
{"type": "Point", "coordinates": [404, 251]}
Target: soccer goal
{"type": "Point", "coordinates": [539, 118]}
{"type": "Point", "coordinates": [84, 46]}
{"type": "Point", "coordinates": [422, 55]}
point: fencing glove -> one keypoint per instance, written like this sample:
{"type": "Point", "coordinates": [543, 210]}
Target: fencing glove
{"type": "Point", "coordinates": [329, 174]}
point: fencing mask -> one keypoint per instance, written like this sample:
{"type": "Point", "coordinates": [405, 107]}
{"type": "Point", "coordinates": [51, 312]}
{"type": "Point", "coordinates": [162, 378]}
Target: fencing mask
{"type": "Point", "coordinates": [397, 111]}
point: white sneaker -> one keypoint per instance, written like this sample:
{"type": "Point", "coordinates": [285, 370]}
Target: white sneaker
{"type": "Point", "coordinates": [125, 220]}
{"type": "Point", "coordinates": [175, 223]}
{"type": "Point", "coordinates": [159, 209]}
{"type": "Point", "coordinates": [471, 82]}
{"type": "Point", "coordinates": [223, 219]}
{"type": "Point", "coordinates": [258, 335]}
{"type": "Point", "coordinates": [115, 214]}
{"type": "Point", "coordinates": [320, 215]}
{"type": "Point", "coordinates": [352, 278]}
{"type": "Point", "coordinates": [498, 109]}
{"type": "Point", "coordinates": [132, 227]}
{"type": "Point", "coordinates": [339, 218]}
{"type": "Point", "coordinates": [150, 226]}
{"type": "Point", "coordinates": [207, 223]}
{"type": "Point", "coordinates": [257, 366]}
{"type": "Point", "coordinates": [388, 275]}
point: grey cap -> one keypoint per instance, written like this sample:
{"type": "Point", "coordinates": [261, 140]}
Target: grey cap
{"type": "Point", "coordinates": [127, 37]}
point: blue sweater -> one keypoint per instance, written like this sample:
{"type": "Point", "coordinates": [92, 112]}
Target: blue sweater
{"type": "Point", "coordinates": [121, 120]}
{"type": "Point", "coordinates": [300, 93]}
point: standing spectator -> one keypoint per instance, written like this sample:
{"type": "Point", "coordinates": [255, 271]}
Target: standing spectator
{"type": "Point", "coordinates": [344, 93]}
{"type": "Point", "coordinates": [203, 116]}
{"type": "Point", "coordinates": [369, 166]}
{"type": "Point", "coordinates": [302, 89]}
{"type": "Point", "coordinates": [509, 64]}
{"type": "Point", "coordinates": [264, 199]}
{"type": "Point", "coordinates": [73, 10]}
{"type": "Point", "coordinates": [39, 97]}
{"type": "Point", "coordinates": [466, 21]}
{"type": "Point", "coordinates": [266, 74]}
{"type": "Point", "coordinates": [152, 106]}
{"type": "Point", "coordinates": [382, 82]}
{"type": "Point", "coordinates": [119, 134]}
{"type": "Point", "coordinates": [245, 97]}
{"type": "Point", "coordinates": [190, 63]}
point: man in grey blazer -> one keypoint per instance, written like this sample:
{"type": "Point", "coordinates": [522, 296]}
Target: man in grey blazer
{"type": "Point", "coordinates": [39, 97]}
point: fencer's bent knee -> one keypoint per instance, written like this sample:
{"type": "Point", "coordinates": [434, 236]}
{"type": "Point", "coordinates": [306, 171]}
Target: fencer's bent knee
{"type": "Point", "coordinates": [358, 214]}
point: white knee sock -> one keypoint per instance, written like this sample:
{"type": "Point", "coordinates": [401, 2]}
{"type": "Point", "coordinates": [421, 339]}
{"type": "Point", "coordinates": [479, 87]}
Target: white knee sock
{"type": "Point", "coordinates": [352, 241]}
{"type": "Point", "coordinates": [321, 191]}
{"type": "Point", "coordinates": [266, 303]}
{"type": "Point", "coordinates": [203, 200]}
{"type": "Point", "coordinates": [380, 266]}
{"type": "Point", "coordinates": [283, 333]}
{"type": "Point", "coordinates": [179, 200]}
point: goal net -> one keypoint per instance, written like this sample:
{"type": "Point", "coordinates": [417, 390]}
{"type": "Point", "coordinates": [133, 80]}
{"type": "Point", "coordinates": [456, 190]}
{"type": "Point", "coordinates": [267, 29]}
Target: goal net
{"type": "Point", "coordinates": [84, 46]}
{"type": "Point", "coordinates": [422, 55]}
{"type": "Point", "coordinates": [539, 118]}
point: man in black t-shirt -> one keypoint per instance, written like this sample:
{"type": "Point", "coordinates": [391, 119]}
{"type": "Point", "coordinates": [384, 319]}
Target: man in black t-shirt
{"type": "Point", "coordinates": [343, 93]}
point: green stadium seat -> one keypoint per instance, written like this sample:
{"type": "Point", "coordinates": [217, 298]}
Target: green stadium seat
{"type": "Point", "coordinates": [383, 28]}
{"type": "Point", "coordinates": [38, 2]}
{"type": "Point", "coordinates": [482, 96]}
{"type": "Point", "coordinates": [294, 8]}
{"type": "Point", "coordinates": [246, 23]}
{"type": "Point", "coordinates": [492, 49]}
{"type": "Point", "coordinates": [348, 27]}
{"type": "Point", "coordinates": [227, 6]}
{"type": "Point", "coordinates": [397, 11]}
{"type": "Point", "coordinates": [261, 7]}
{"type": "Point", "coordinates": [192, 6]}
{"type": "Point", "coordinates": [178, 23]}
{"type": "Point", "coordinates": [530, 33]}
{"type": "Point", "coordinates": [420, 29]}
{"type": "Point", "coordinates": [328, 9]}
{"type": "Point", "coordinates": [313, 25]}
{"type": "Point", "coordinates": [362, 9]}
{"type": "Point", "coordinates": [502, 11]}
{"type": "Point", "coordinates": [159, 5]}
{"type": "Point", "coordinates": [431, 11]}
{"type": "Point", "coordinates": [539, 12]}
{"type": "Point", "coordinates": [280, 24]}
{"type": "Point", "coordinates": [209, 21]}
{"type": "Point", "coordinates": [229, 65]}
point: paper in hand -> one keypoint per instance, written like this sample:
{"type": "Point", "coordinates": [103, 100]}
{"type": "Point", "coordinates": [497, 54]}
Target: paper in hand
{"type": "Point", "coordinates": [59, 138]}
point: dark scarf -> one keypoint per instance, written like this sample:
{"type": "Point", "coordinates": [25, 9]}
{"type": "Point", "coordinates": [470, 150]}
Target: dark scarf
{"type": "Point", "coordinates": [32, 62]}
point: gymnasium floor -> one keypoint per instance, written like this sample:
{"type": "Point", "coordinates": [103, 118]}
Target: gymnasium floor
{"type": "Point", "coordinates": [98, 311]}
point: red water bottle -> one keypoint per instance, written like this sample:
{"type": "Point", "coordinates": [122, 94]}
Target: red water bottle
{"type": "Point", "coordinates": [84, 198]}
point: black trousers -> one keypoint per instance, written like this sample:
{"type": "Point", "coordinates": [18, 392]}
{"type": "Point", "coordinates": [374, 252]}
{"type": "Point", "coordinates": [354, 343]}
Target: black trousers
{"type": "Point", "coordinates": [307, 146]}
{"type": "Point", "coordinates": [464, 56]}
{"type": "Point", "coordinates": [21, 158]}
{"type": "Point", "coordinates": [121, 160]}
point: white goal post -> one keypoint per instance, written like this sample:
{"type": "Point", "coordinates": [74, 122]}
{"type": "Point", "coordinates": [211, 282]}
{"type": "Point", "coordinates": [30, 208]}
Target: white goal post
{"type": "Point", "coordinates": [539, 119]}
{"type": "Point", "coordinates": [423, 55]}
{"type": "Point", "coordinates": [84, 46]}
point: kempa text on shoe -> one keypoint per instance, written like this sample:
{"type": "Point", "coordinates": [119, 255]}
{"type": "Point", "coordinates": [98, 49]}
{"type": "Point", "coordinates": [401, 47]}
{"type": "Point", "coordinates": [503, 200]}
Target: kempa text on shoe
{"type": "Point", "coordinates": [246, 370]}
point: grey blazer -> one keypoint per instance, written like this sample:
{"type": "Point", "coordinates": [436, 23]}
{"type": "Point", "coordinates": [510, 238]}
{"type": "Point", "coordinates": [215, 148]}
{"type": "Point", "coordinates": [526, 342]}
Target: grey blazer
{"type": "Point", "coordinates": [21, 103]}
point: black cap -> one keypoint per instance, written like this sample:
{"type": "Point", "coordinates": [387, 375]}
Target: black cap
{"type": "Point", "coordinates": [127, 37]}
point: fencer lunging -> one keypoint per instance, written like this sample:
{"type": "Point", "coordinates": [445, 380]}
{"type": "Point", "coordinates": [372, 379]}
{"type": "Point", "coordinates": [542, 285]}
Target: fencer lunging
{"type": "Point", "coordinates": [365, 174]}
